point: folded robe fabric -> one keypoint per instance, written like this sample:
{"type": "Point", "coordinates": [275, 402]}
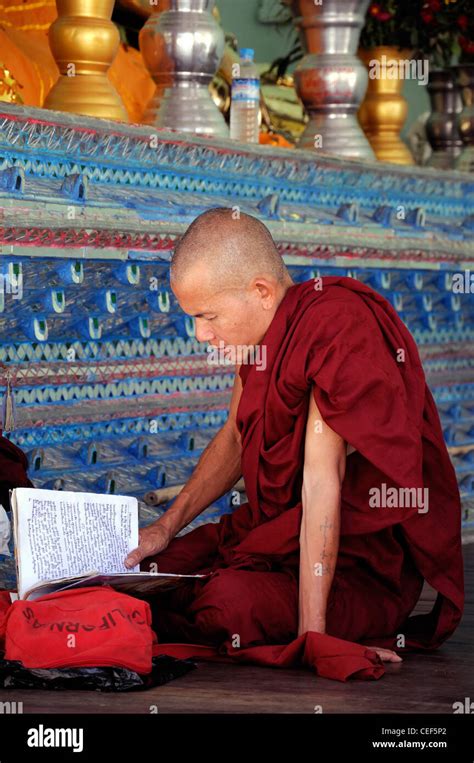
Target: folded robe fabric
{"type": "Point", "coordinates": [328, 656]}
{"type": "Point", "coordinates": [340, 340]}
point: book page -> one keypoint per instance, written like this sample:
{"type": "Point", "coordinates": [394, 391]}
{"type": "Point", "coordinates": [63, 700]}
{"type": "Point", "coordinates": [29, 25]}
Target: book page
{"type": "Point", "coordinates": [62, 533]}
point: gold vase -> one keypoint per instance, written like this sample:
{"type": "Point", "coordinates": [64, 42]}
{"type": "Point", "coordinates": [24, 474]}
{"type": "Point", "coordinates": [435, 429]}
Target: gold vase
{"type": "Point", "coordinates": [383, 111]}
{"type": "Point", "coordinates": [84, 42]}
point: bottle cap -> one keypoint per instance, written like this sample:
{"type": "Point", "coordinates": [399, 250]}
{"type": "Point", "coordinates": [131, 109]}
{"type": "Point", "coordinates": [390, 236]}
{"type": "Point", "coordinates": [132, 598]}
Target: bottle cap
{"type": "Point", "coordinates": [247, 53]}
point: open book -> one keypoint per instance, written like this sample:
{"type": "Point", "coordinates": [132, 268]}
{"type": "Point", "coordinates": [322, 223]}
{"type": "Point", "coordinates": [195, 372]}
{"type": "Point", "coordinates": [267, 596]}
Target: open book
{"type": "Point", "coordinates": [65, 539]}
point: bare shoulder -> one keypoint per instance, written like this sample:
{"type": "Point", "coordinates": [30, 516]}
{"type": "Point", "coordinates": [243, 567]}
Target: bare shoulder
{"type": "Point", "coordinates": [324, 449]}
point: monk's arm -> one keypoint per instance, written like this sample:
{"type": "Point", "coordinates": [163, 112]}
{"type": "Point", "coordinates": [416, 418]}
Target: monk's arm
{"type": "Point", "coordinates": [324, 468]}
{"type": "Point", "coordinates": [217, 471]}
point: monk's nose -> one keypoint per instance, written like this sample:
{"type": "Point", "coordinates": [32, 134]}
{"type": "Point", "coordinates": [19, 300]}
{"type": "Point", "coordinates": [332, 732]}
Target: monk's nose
{"type": "Point", "coordinates": [203, 333]}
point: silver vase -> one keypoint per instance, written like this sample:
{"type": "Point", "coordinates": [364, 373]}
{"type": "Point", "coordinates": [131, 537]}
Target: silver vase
{"type": "Point", "coordinates": [331, 80]}
{"type": "Point", "coordinates": [182, 48]}
{"type": "Point", "coordinates": [442, 125]}
{"type": "Point", "coordinates": [465, 81]}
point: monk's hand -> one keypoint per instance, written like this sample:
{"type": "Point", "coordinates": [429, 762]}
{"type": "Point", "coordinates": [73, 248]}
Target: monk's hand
{"type": "Point", "coordinates": [151, 540]}
{"type": "Point", "coordinates": [386, 655]}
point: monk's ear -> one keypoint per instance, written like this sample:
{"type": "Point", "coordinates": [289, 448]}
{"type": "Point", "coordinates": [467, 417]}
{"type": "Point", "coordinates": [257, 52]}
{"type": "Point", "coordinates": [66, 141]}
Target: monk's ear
{"type": "Point", "coordinates": [266, 292]}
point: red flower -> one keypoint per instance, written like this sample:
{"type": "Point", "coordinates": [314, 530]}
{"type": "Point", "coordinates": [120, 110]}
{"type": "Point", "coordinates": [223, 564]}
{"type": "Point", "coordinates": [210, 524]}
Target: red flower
{"type": "Point", "coordinates": [462, 21]}
{"type": "Point", "coordinates": [379, 13]}
{"type": "Point", "coordinates": [429, 9]}
{"type": "Point", "coordinates": [466, 45]}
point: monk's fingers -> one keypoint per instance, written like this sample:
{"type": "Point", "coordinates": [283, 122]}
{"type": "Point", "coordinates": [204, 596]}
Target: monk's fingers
{"type": "Point", "coordinates": [146, 548]}
{"type": "Point", "coordinates": [149, 545]}
{"type": "Point", "coordinates": [386, 655]}
{"type": "Point", "coordinates": [134, 557]}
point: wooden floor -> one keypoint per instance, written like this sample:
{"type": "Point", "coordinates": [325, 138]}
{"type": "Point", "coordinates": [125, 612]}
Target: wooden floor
{"type": "Point", "coordinates": [422, 683]}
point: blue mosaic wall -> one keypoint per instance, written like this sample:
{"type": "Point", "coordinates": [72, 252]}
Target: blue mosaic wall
{"type": "Point", "coordinates": [113, 393]}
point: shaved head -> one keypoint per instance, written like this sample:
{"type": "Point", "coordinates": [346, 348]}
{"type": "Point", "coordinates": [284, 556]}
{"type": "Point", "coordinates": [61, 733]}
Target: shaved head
{"type": "Point", "coordinates": [227, 272]}
{"type": "Point", "coordinates": [232, 249]}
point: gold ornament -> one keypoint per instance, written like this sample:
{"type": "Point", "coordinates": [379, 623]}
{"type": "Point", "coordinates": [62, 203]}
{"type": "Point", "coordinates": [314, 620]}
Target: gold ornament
{"type": "Point", "coordinates": [84, 42]}
{"type": "Point", "coordinates": [384, 110]}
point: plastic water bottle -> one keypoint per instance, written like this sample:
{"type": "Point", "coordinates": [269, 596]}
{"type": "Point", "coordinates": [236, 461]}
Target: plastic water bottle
{"type": "Point", "coordinates": [244, 111]}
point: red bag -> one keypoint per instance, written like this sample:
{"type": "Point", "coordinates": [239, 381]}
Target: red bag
{"type": "Point", "coordinates": [81, 627]}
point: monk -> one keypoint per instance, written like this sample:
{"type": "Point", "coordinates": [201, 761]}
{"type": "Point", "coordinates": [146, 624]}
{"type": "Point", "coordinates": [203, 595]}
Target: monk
{"type": "Point", "coordinates": [352, 498]}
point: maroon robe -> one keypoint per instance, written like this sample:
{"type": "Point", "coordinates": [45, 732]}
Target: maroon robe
{"type": "Point", "coordinates": [369, 385]}
{"type": "Point", "coordinates": [13, 467]}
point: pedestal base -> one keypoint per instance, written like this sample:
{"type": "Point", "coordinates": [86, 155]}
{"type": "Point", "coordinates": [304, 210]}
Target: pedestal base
{"type": "Point", "coordinates": [188, 108]}
{"type": "Point", "coordinates": [90, 94]}
{"type": "Point", "coordinates": [340, 134]}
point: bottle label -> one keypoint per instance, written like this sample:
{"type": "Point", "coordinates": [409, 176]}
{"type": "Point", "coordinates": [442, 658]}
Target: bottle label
{"type": "Point", "coordinates": [246, 90]}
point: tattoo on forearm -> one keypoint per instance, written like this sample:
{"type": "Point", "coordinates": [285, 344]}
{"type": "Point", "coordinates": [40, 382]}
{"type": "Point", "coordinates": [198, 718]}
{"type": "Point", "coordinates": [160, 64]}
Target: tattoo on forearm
{"type": "Point", "coordinates": [327, 563]}
{"type": "Point", "coordinates": [325, 554]}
